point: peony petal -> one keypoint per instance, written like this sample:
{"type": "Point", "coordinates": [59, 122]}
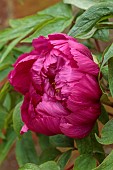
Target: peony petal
{"type": "Point", "coordinates": [42, 45]}
{"type": "Point", "coordinates": [20, 76]}
{"type": "Point", "coordinates": [75, 131]}
{"type": "Point", "coordinates": [51, 109]}
{"type": "Point", "coordinates": [24, 129]}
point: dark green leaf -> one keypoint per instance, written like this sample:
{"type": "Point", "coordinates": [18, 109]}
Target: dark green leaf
{"type": "Point", "coordinates": [85, 161]}
{"type": "Point", "coordinates": [61, 141]}
{"type": "Point", "coordinates": [106, 134]}
{"type": "Point", "coordinates": [102, 34]}
{"type": "Point", "coordinates": [63, 159]}
{"type": "Point", "coordinates": [25, 150]}
{"type": "Point", "coordinates": [49, 154]}
{"type": "Point", "coordinates": [86, 23]}
{"type": "Point", "coordinates": [84, 145]}
{"type": "Point", "coordinates": [44, 141]}
{"type": "Point", "coordinates": [17, 120]}
{"type": "Point", "coordinates": [104, 118]}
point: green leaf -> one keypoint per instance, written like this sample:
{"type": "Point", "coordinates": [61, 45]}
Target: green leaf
{"type": "Point", "coordinates": [63, 159]}
{"type": "Point", "coordinates": [102, 34]}
{"type": "Point", "coordinates": [84, 145]}
{"type": "Point", "coordinates": [98, 151]}
{"type": "Point", "coordinates": [46, 166]}
{"type": "Point", "coordinates": [88, 20]}
{"type": "Point", "coordinates": [54, 25]}
{"type": "Point", "coordinates": [50, 165]}
{"type": "Point", "coordinates": [25, 150]}
{"type": "Point", "coordinates": [12, 45]}
{"type": "Point", "coordinates": [106, 134]}
{"type": "Point", "coordinates": [4, 91]}
{"type": "Point", "coordinates": [17, 120]}
{"type": "Point", "coordinates": [7, 144]}
{"type": "Point", "coordinates": [61, 141]}
{"type": "Point", "coordinates": [104, 71]}
{"type": "Point", "coordinates": [49, 154]}
{"type": "Point", "coordinates": [61, 17]}
{"type": "Point", "coordinates": [104, 118]}
{"type": "Point", "coordinates": [110, 75]}
{"type": "Point", "coordinates": [107, 164]}
{"type": "Point", "coordinates": [3, 114]}
{"type": "Point", "coordinates": [107, 55]}
{"type": "Point", "coordinates": [44, 141]}
{"type": "Point", "coordinates": [30, 166]}
{"type": "Point", "coordinates": [85, 161]}
{"type": "Point", "coordinates": [85, 4]}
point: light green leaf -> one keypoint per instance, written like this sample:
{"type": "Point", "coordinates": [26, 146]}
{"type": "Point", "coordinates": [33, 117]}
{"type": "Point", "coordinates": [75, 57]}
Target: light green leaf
{"type": "Point", "coordinates": [17, 120]}
{"type": "Point", "coordinates": [107, 55]}
{"type": "Point", "coordinates": [61, 17]}
{"type": "Point", "coordinates": [88, 20]}
{"type": "Point", "coordinates": [46, 166]}
{"type": "Point", "coordinates": [30, 166]}
{"type": "Point", "coordinates": [54, 25]}
{"type": "Point", "coordinates": [106, 134]}
{"type": "Point", "coordinates": [61, 141]}
{"type": "Point", "coordinates": [12, 45]}
{"type": "Point", "coordinates": [63, 159]}
{"type": "Point", "coordinates": [25, 150]}
{"type": "Point", "coordinates": [85, 161]}
{"type": "Point", "coordinates": [7, 144]}
{"type": "Point", "coordinates": [85, 4]}
{"type": "Point", "coordinates": [50, 165]}
{"type": "Point", "coordinates": [107, 164]}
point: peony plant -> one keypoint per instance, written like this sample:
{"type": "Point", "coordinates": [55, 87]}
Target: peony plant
{"type": "Point", "coordinates": [56, 88]}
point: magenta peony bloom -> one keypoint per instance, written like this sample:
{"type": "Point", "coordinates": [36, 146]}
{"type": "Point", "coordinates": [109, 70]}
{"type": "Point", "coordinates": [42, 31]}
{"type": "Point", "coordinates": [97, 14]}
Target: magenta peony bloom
{"type": "Point", "coordinates": [59, 81]}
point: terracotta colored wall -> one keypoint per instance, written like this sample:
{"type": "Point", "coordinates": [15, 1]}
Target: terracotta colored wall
{"type": "Point", "coordinates": [19, 8]}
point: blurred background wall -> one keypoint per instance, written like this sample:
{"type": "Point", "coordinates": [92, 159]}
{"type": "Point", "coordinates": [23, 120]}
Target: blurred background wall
{"type": "Point", "coordinates": [20, 8]}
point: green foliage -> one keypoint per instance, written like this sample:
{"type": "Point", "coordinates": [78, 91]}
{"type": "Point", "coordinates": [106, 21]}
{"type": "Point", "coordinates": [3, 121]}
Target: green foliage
{"type": "Point", "coordinates": [106, 134]}
{"type": "Point", "coordinates": [7, 143]}
{"type": "Point", "coordinates": [85, 4]}
{"type": "Point", "coordinates": [85, 161]}
{"type": "Point", "coordinates": [25, 150]}
{"type": "Point", "coordinates": [104, 118]}
{"type": "Point", "coordinates": [53, 19]}
{"type": "Point", "coordinates": [17, 121]}
{"type": "Point", "coordinates": [86, 24]}
{"type": "Point", "coordinates": [46, 166]}
{"type": "Point", "coordinates": [63, 159]}
{"type": "Point", "coordinates": [49, 154]}
{"type": "Point", "coordinates": [61, 141]}
{"type": "Point", "coordinates": [107, 164]}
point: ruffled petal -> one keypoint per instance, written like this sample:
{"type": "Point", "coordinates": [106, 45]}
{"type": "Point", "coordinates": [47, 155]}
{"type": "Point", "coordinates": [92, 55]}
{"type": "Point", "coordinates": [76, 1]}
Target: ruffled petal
{"type": "Point", "coordinates": [20, 76]}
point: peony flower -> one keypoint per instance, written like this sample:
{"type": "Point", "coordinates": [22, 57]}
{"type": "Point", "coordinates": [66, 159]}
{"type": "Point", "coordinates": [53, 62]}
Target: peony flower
{"type": "Point", "coordinates": [59, 80]}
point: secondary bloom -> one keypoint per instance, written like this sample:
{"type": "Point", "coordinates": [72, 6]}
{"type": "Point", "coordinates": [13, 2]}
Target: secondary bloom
{"type": "Point", "coordinates": [59, 82]}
